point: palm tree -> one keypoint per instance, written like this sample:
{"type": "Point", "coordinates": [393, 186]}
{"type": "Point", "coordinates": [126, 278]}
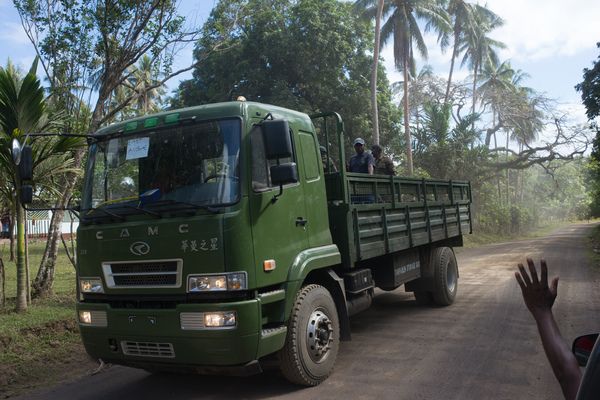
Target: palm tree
{"type": "Point", "coordinates": [417, 93]}
{"type": "Point", "coordinates": [142, 77]}
{"type": "Point", "coordinates": [478, 48]}
{"type": "Point", "coordinates": [464, 22]}
{"type": "Point", "coordinates": [402, 26]}
{"type": "Point", "coordinates": [22, 111]}
{"type": "Point", "coordinates": [374, 74]}
{"type": "Point", "coordinates": [497, 81]}
{"type": "Point", "coordinates": [368, 13]}
{"type": "Point", "coordinates": [526, 129]}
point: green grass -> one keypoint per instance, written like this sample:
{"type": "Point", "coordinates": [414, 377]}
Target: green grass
{"type": "Point", "coordinates": [592, 249]}
{"type": "Point", "coordinates": [37, 345]}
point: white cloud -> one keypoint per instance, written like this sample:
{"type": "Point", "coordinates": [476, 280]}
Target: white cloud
{"type": "Point", "coordinates": [539, 30]}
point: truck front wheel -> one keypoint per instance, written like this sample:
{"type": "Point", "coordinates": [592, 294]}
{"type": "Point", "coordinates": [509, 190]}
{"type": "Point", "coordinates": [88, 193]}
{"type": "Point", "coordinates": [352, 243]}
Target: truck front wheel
{"type": "Point", "coordinates": [313, 337]}
{"type": "Point", "coordinates": [445, 276]}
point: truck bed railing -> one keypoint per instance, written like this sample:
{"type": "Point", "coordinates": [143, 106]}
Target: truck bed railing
{"type": "Point", "coordinates": [388, 214]}
{"type": "Point", "coordinates": [374, 215]}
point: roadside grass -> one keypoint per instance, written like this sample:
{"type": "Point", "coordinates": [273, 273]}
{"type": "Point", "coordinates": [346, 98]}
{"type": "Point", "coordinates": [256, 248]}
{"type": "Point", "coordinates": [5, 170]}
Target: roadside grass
{"type": "Point", "coordinates": [41, 347]}
{"type": "Point", "coordinates": [592, 249]}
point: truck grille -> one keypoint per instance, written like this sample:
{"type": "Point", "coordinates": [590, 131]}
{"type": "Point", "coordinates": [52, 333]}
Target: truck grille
{"type": "Point", "coordinates": [145, 349]}
{"type": "Point", "coordinates": [146, 274]}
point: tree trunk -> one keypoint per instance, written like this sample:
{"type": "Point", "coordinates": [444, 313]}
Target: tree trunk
{"type": "Point", "coordinates": [507, 173]}
{"type": "Point", "coordinates": [12, 237]}
{"type": "Point", "coordinates": [21, 273]}
{"type": "Point", "coordinates": [409, 160]}
{"type": "Point", "coordinates": [454, 53]}
{"type": "Point", "coordinates": [44, 282]}
{"type": "Point", "coordinates": [374, 111]}
{"type": "Point", "coordinates": [474, 90]}
{"type": "Point", "coordinates": [27, 277]}
{"type": "Point", "coordinates": [3, 277]}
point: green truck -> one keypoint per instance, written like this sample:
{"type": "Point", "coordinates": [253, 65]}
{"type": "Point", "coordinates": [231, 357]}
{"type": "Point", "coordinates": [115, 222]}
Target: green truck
{"type": "Point", "coordinates": [213, 236]}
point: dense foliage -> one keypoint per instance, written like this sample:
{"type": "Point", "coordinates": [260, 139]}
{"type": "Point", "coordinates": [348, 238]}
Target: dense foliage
{"type": "Point", "coordinates": [590, 96]}
{"type": "Point", "coordinates": [310, 56]}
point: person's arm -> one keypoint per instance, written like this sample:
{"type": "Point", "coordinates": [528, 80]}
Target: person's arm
{"type": "Point", "coordinates": [539, 299]}
{"type": "Point", "coordinates": [370, 164]}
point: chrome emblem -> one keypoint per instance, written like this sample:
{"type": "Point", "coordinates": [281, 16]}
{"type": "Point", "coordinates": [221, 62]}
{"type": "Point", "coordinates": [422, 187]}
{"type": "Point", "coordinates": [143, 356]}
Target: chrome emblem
{"type": "Point", "coordinates": [140, 248]}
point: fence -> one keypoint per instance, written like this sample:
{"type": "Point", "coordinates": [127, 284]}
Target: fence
{"type": "Point", "coordinates": [38, 224]}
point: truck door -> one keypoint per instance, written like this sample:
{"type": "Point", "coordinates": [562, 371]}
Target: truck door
{"type": "Point", "coordinates": [279, 228]}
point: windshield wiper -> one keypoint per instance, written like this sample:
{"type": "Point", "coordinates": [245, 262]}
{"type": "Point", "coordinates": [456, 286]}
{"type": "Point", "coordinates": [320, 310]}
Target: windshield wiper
{"type": "Point", "coordinates": [194, 206]}
{"type": "Point", "coordinates": [115, 216]}
{"type": "Point", "coordinates": [154, 214]}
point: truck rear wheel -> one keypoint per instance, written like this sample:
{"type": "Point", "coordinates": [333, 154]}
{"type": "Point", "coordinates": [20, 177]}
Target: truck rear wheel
{"type": "Point", "coordinates": [313, 337]}
{"type": "Point", "coordinates": [445, 276]}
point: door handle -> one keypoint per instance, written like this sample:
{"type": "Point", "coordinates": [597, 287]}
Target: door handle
{"type": "Point", "coordinates": [301, 222]}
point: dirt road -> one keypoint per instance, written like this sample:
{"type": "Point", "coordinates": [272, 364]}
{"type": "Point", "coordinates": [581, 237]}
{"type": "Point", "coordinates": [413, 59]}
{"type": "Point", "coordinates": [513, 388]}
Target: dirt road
{"type": "Point", "coordinates": [485, 346]}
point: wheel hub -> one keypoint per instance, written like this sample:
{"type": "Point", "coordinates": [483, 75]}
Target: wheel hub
{"type": "Point", "coordinates": [451, 278]}
{"type": "Point", "coordinates": [319, 335]}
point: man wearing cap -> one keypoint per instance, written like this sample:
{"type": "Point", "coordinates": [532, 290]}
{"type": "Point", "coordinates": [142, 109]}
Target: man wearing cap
{"type": "Point", "coordinates": [362, 162]}
{"type": "Point", "coordinates": [383, 165]}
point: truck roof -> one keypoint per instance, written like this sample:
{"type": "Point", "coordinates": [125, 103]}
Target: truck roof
{"type": "Point", "coordinates": [205, 111]}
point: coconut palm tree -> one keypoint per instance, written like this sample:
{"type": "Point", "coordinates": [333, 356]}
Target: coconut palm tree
{"type": "Point", "coordinates": [497, 81]}
{"type": "Point", "coordinates": [367, 13]}
{"type": "Point", "coordinates": [418, 95]}
{"type": "Point", "coordinates": [402, 27]}
{"type": "Point", "coordinates": [143, 76]}
{"type": "Point", "coordinates": [464, 23]}
{"type": "Point", "coordinates": [479, 48]}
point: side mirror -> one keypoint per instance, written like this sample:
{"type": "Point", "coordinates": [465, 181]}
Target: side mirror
{"type": "Point", "coordinates": [16, 151]}
{"type": "Point", "coordinates": [284, 173]}
{"type": "Point", "coordinates": [582, 348]}
{"type": "Point", "coordinates": [26, 164]}
{"type": "Point", "coordinates": [276, 137]}
{"type": "Point", "coordinates": [26, 194]}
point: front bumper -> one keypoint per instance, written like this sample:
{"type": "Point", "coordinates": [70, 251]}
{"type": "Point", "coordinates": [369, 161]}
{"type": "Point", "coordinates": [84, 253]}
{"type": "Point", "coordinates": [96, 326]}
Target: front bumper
{"type": "Point", "coordinates": [154, 337]}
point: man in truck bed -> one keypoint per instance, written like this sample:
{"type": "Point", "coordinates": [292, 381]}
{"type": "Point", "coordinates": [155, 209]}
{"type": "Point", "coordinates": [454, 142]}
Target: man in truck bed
{"type": "Point", "coordinates": [362, 162]}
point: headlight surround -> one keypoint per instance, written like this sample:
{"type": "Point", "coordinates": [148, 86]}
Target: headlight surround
{"type": "Point", "coordinates": [91, 285]}
{"type": "Point", "coordinates": [93, 318]}
{"type": "Point", "coordinates": [218, 282]}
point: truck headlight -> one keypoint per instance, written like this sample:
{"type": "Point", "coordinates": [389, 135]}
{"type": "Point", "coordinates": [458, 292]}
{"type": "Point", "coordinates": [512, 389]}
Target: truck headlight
{"type": "Point", "coordinates": [217, 283]}
{"type": "Point", "coordinates": [195, 321]}
{"type": "Point", "coordinates": [91, 285]}
{"type": "Point", "coordinates": [220, 319]}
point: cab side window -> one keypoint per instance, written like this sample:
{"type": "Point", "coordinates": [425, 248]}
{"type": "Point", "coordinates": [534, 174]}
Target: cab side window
{"type": "Point", "coordinates": [261, 179]}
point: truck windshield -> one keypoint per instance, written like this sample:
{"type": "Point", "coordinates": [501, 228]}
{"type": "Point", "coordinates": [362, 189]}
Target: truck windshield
{"type": "Point", "coordinates": [192, 164]}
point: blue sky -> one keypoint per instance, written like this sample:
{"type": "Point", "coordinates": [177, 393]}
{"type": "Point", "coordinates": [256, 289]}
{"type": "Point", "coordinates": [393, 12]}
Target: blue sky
{"type": "Point", "coordinates": [552, 41]}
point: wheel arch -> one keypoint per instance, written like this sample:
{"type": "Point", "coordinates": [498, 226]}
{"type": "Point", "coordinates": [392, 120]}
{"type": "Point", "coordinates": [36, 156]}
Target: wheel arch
{"type": "Point", "coordinates": [316, 266]}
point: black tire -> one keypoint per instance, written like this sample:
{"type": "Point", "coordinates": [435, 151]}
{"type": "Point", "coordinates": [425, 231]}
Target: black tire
{"type": "Point", "coordinates": [424, 298]}
{"type": "Point", "coordinates": [313, 337]}
{"type": "Point", "coordinates": [445, 276]}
